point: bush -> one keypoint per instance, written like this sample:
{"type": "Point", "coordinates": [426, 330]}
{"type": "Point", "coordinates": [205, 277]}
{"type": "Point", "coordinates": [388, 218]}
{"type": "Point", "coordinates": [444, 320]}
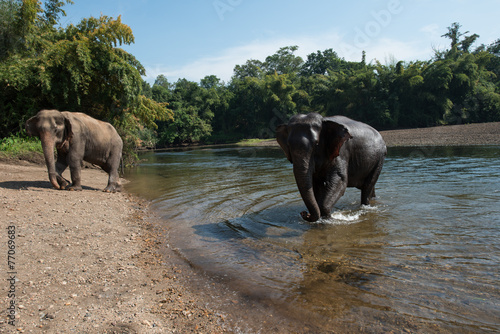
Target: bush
{"type": "Point", "coordinates": [17, 145]}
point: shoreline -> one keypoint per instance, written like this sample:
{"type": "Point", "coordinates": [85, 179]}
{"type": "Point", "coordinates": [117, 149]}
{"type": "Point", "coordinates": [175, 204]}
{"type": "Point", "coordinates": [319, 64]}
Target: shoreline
{"type": "Point", "coordinates": [449, 135]}
{"type": "Point", "coordinates": [92, 262]}
{"type": "Point", "coordinates": [446, 135]}
{"type": "Point", "coordinates": [97, 262]}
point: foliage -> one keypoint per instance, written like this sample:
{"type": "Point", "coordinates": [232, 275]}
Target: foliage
{"type": "Point", "coordinates": [320, 62]}
{"type": "Point", "coordinates": [17, 144]}
{"type": "Point", "coordinates": [457, 86]}
{"type": "Point", "coordinates": [192, 106]}
{"type": "Point", "coordinates": [78, 68]}
{"type": "Point", "coordinates": [81, 68]}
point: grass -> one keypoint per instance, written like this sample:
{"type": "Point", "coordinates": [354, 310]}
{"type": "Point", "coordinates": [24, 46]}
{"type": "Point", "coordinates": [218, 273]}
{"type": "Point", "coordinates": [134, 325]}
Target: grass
{"type": "Point", "coordinates": [252, 142]}
{"type": "Point", "coordinates": [17, 147]}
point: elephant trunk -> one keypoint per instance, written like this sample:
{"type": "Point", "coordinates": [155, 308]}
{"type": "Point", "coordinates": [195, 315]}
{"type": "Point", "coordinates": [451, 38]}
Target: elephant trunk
{"type": "Point", "coordinates": [303, 173]}
{"type": "Point", "coordinates": [48, 144]}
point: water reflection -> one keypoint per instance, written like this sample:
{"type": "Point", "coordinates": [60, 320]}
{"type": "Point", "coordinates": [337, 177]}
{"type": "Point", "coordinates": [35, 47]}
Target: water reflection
{"type": "Point", "coordinates": [424, 257]}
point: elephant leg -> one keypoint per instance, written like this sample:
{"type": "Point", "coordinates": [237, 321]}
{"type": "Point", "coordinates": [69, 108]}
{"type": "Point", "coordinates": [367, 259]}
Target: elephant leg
{"type": "Point", "coordinates": [368, 188]}
{"type": "Point", "coordinates": [76, 180]}
{"type": "Point", "coordinates": [75, 168]}
{"type": "Point", "coordinates": [113, 182]}
{"type": "Point", "coordinates": [328, 193]}
{"type": "Point", "coordinates": [61, 166]}
{"type": "Point", "coordinates": [114, 179]}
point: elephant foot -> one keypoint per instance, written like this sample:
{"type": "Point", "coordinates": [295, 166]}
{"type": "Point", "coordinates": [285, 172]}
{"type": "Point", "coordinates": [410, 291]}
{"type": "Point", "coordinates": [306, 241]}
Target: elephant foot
{"type": "Point", "coordinates": [75, 188]}
{"type": "Point", "coordinates": [113, 188]}
{"type": "Point", "coordinates": [307, 216]}
{"type": "Point", "coordinates": [63, 183]}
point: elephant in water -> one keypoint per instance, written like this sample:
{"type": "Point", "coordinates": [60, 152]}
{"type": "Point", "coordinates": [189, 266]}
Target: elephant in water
{"type": "Point", "coordinates": [76, 137]}
{"type": "Point", "coordinates": [329, 154]}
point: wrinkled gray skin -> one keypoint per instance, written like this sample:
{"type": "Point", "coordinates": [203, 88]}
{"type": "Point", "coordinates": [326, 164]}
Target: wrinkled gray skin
{"type": "Point", "coordinates": [76, 137]}
{"type": "Point", "coordinates": [329, 154]}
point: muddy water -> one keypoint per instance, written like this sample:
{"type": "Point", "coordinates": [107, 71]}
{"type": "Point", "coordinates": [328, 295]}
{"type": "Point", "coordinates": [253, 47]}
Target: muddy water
{"type": "Point", "coordinates": [425, 257]}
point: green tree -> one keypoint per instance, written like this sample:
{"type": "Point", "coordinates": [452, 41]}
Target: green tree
{"type": "Point", "coordinates": [252, 68]}
{"type": "Point", "coordinates": [471, 94]}
{"type": "Point", "coordinates": [459, 46]}
{"type": "Point", "coordinates": [193, 113]}
{"type": "Point", "coordinates": [78, 68]}
{"type": "Point", "coordinates": [218, 98]}
{"type": "Point", "coordinates": [161, 90]}
{"type": "Point", "coordinates": [53, 11]}
{"type": "Point", "coordinates": [460, 84]}
{"type": "Point", "coordinates": [284, 61]}
{"type": "Point", "coordinates": [9, 37]}
{"type": "Point", "coordinates": [322, 62]}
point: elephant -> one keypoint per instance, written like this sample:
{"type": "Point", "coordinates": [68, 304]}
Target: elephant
{"type": "Point", "coordinates": [329, 154]}
{"type": "Point", "coordinates": [77, 137]}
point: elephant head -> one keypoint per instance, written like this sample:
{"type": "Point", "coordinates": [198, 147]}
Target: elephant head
{"type": "Point", "coordinates": [54, 130]}
{"type": "Point", "coordinates": [311, 143]}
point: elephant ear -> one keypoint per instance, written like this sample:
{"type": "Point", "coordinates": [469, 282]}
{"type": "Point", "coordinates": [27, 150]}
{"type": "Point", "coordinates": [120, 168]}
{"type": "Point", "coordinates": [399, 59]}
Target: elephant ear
{"type": "Point", "coordinates": [31, 128]}
{"type": "Point", "coordinates": [68, 129]}
{"type": "Point", "coordinates": [282, 138]}
{"type": "Point", "coordinates": [67, 133]}
{"type": "Point", "coordinates": [334, 136]}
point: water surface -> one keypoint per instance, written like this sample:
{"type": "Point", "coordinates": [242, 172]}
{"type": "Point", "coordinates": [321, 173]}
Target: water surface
{"type": "Point", "coordinates": [424, 257]}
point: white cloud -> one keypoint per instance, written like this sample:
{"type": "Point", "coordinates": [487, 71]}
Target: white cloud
{"type": "Point", "coordinates": [432, 29]}
{"type": "Point", "coordinates": [222, 64]}
{"type": "Point", "coordinates": [385, 50]}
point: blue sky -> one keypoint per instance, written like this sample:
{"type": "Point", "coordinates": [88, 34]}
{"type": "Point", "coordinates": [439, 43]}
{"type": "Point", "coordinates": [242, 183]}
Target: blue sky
{"type": "Point", "coordinates": [194, 38]}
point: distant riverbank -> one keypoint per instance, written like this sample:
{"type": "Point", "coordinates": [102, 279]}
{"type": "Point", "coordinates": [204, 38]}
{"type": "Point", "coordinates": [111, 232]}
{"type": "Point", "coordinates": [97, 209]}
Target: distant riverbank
{"type": "Point", "coordinates": [449, 135]}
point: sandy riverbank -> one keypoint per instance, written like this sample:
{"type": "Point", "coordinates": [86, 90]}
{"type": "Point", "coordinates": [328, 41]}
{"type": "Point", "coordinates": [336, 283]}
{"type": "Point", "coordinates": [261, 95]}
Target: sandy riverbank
{"type": "Point", "coordinates": [94, 262]}
{"type": "Point", "coordinates": [89, 262]}
{"type": "Point", "coordinates": [451, 135]}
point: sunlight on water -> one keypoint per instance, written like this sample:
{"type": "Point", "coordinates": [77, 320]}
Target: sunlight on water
{"type": "Point", "coordinates": [423, 257]}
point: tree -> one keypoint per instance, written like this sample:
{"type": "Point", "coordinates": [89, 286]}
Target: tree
{"type": "Point", "coordinates": [77, 68]}
{"type": "Point", "coordinates": [284, 61]}
{"type": "Point", "coordinates": [458, 46]}
{"type": "Point", "coordinates": [252, 68]}
{"type": "Point", "coordinates": [321, 62]}
{"type": "Point", "coordinates": [53, 10]}
{"type": "Point", "coordinates": [162, 81]}
{"type": "Point", "coordinates": [192, 106]}
{"type": "Point", "coordinates": [210, 81]}
{"type": "Point", "coordinates": [460, 84]}
{"type": "Point", "coordinates": [9, 37]}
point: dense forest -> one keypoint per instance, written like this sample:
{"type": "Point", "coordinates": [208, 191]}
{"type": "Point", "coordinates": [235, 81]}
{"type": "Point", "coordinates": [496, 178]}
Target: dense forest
{"type": "Point", "coordinates": [458, 85]}
{"type": "Point", "coordinates": [81, 68]}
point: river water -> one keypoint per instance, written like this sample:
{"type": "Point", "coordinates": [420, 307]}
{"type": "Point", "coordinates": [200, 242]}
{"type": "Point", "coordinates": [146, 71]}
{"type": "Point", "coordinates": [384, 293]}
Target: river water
{"type": "Point", "coordinates": [424, 257]}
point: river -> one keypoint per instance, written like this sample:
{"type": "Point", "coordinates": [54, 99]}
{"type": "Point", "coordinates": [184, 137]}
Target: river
{"type": "Point", "coordinates": [424, 257]}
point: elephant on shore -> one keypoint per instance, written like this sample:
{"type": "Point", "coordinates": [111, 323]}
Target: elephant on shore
{"type": "Point", "coordinates": [329, 154]}
{"type": "Point", "coordinates": [77, 137]}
